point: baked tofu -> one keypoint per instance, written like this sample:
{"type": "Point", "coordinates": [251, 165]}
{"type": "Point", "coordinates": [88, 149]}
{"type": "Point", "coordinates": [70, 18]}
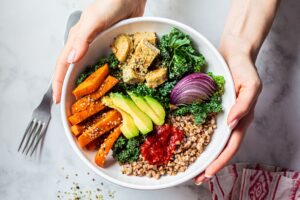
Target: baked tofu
{"type": "Point", "coordinates": [143, 56]}
{"type": "Point", "coordinates": [121, 47]}
{"type": "Point", "coordinates": [131, 76]}
{"type": "Point", "coordinates": [156, 77]}
{"type": "Point", "coordinates": [139, 36]}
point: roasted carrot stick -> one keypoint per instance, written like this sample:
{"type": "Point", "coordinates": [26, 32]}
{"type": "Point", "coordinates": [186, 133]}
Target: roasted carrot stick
{"type": "Point", "coordinates": [91, 110]}
{"type": "Point", "coordinates": [94, 145]}
{"type": "Point", "coordinates": [91, 83]}
{"type": "Point", "coordinates": [77, 129]}
{"type": "Point", "coordinates": [107, 122]}
{"type": "Point", "coordinates": [107, 145]}
{"type": "Point", "coordinates": [82, 103]}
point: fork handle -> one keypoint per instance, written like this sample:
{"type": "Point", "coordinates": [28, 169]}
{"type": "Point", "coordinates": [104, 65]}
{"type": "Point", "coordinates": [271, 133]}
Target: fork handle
{"type": "Point", "coordinates": [49, 92]}
{"type": "Point", "coordinates": [48, 96]}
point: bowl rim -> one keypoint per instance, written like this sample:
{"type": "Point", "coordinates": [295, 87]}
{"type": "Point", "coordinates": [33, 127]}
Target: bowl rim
{"type": "Point", "coordinates": [132, 185]}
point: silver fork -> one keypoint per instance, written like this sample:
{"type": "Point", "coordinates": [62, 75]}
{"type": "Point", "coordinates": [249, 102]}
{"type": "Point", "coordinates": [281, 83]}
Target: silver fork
{"type": "Point", "coordinates": [37, 127]}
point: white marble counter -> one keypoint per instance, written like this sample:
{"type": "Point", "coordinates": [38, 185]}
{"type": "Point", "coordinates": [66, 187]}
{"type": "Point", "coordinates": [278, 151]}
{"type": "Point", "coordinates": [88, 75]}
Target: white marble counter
{"type": "Point", "coordinates": [31, 35]}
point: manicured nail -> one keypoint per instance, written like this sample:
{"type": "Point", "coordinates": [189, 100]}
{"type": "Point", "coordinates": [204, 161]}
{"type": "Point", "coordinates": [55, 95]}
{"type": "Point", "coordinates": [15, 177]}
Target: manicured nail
{"type": "Point", "coordinates": [54, 100]}
{"type": "Point", "coordinates": [71, 56]}
{"type": "Point", "coordinates": [233, 124]}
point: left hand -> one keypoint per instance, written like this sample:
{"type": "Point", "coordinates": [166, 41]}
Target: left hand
{"type": "Point", "coordinates": [247, 86]}
{"type": "Point", "coordinates": [97, 17]}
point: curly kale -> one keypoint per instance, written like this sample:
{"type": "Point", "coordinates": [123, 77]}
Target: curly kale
{"type": "Point", "coordinates": [200, 111]}
{"type": "Point", "coordinates": [127, 150]}
{"type": "Point", "coordinates": [179, 54]}
{"type": "Point", "coordinates": [112, 62]}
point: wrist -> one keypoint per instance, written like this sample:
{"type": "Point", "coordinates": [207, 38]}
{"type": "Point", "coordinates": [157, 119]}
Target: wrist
{"type": "Point", "coordinates": [236, 46]}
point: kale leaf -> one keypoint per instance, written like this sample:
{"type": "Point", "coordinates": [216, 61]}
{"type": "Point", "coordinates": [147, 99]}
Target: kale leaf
{"type": "Point", "coordinates": [112, 62]}
{"type": "Point", "coordinates": [179, 54]}
{"type": "Point", "coordinates": [127, 150]}
{"type": "Point", "coordinates": [200, 111]}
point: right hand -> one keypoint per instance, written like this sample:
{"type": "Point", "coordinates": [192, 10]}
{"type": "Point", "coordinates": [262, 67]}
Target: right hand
{"type": "Point", "coordinates": [97, 17]}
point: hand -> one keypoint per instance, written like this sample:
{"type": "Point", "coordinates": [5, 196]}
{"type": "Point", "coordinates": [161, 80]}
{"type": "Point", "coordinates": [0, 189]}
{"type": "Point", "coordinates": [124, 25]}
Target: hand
{"type": "Point", "coordinates": [247, 86]}
{"type": "Point", "coordinates": [97, 17]}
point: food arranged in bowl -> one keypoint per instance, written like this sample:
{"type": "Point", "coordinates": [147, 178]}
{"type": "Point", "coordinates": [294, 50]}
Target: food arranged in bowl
{"type": "Point", "coordinates": [150, 102]}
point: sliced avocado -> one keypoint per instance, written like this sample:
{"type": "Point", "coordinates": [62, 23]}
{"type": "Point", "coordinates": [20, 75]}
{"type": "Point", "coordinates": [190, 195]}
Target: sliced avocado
{"type": "Point", "coordinates": [128, 126]}
{"type": "Point", "coordinates": [145, 107]}
{"type": "Point", "coordinates": [156, 107]}
{"type": "Point", "coordinates": [141, 120]}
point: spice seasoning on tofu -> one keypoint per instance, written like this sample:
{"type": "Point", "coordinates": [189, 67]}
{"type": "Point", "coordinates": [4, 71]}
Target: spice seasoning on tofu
{"type": "Point", "coordinates": [139, 36]}
{"type": "Point", "coordinates": [156, 77]}
{"type": "Point", "coordinates": [121, 47]}
{"type": "Point", "coordinates": [135, 69]}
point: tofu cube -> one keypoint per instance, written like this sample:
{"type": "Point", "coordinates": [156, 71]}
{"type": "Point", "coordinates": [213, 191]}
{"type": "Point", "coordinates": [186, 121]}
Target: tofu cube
{"type": "Point", "coordinates": [143, 56]}
{"type": "Point", "coordinates": [139, 36]}
{"type": "Point", "coordinates": [131, 76]}
{"type": "Point", "coordinates": [156, 77]}
{"type": "Point", "coordinates": [121, 47]}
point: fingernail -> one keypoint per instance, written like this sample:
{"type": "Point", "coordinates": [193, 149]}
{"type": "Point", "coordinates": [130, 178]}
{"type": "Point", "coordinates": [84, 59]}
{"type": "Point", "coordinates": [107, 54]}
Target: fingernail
{"type": "Point", "coordinates": [208, 176]}
{"type": "Point", "coordinates": [71, 56]}
{"type": "Point", "coordinates": [198, 183]}
{"type": "Point", "coordinates": [54, 99]}
{"type": "Point", "coordinates": [233, 124]}
{"type": "Point", "coordinates": [206, 179]}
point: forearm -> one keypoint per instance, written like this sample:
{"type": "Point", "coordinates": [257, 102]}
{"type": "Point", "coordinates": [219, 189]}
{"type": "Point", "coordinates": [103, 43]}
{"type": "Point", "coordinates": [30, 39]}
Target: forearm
{"type": "Point", "coordinates": [247, 25]}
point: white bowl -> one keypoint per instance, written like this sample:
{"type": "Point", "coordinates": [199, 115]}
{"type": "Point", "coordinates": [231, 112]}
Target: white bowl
{"type": "Point", "coordinates": [100, 48]}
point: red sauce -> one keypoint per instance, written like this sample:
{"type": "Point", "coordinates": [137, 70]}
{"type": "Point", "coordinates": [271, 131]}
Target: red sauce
{"type": "Point", "coordinates": [159, 147]}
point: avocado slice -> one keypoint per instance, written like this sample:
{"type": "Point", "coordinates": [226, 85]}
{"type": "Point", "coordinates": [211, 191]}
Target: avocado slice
{"type": "Point", "coordinates": [156, 107]}
{"type": "Point", "coordinates": [145, 107]}
{"type": "Point", "coordinates": [141, 120]}
{"type": "Point", "coordinates": [128, 126]}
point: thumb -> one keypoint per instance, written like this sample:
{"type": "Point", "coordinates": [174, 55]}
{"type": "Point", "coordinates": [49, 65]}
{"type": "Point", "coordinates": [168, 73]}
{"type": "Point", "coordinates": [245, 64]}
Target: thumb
{"type": "Point", "coordinates": [247, 97]}
{"type": "Point", "coordinates": [87, 31]}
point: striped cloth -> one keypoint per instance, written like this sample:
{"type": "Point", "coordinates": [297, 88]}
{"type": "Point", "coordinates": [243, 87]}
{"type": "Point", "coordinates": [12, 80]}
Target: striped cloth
{"type": "Point", "coordinates": [255, 182]}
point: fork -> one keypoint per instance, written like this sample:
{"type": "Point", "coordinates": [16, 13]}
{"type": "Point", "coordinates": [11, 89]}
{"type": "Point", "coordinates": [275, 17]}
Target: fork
{"type": "Point", "coordinates": [37, 127]}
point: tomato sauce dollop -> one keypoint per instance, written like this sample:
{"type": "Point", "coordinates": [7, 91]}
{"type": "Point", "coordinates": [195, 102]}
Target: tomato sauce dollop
{"type": "Point", "coordinates": [158, 148]}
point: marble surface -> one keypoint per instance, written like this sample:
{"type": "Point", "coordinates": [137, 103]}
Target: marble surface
{"type": "Point", "coordinates": [31, 35]}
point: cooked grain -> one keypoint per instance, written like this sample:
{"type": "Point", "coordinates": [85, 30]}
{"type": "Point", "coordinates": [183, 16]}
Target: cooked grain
{"type": "Point", "coordinates": [196, 138]}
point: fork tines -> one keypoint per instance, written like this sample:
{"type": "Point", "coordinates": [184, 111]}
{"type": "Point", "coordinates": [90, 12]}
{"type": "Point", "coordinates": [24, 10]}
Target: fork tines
{"type": "Point", "coordinates": [35, 131]}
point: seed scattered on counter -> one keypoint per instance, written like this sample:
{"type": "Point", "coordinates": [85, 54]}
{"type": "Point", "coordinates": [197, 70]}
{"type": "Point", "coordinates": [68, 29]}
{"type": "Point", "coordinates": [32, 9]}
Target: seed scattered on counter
{"type": "Point", "coordinates": [111, 193]}
{"type": "Point", "coordinates": [76, 192]}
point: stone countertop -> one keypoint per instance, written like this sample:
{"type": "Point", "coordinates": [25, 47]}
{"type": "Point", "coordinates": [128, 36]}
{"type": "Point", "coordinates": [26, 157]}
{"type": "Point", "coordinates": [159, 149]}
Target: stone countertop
{"type": "Point", "coordinates": [31, 37]}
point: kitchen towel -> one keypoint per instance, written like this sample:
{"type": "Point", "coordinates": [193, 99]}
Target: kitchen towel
{"type": "Point", "coordinates": [255, 182]}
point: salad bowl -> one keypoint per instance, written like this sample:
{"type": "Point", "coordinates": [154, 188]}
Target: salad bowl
{"type": "Point", "coordinates": [101, 47]}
